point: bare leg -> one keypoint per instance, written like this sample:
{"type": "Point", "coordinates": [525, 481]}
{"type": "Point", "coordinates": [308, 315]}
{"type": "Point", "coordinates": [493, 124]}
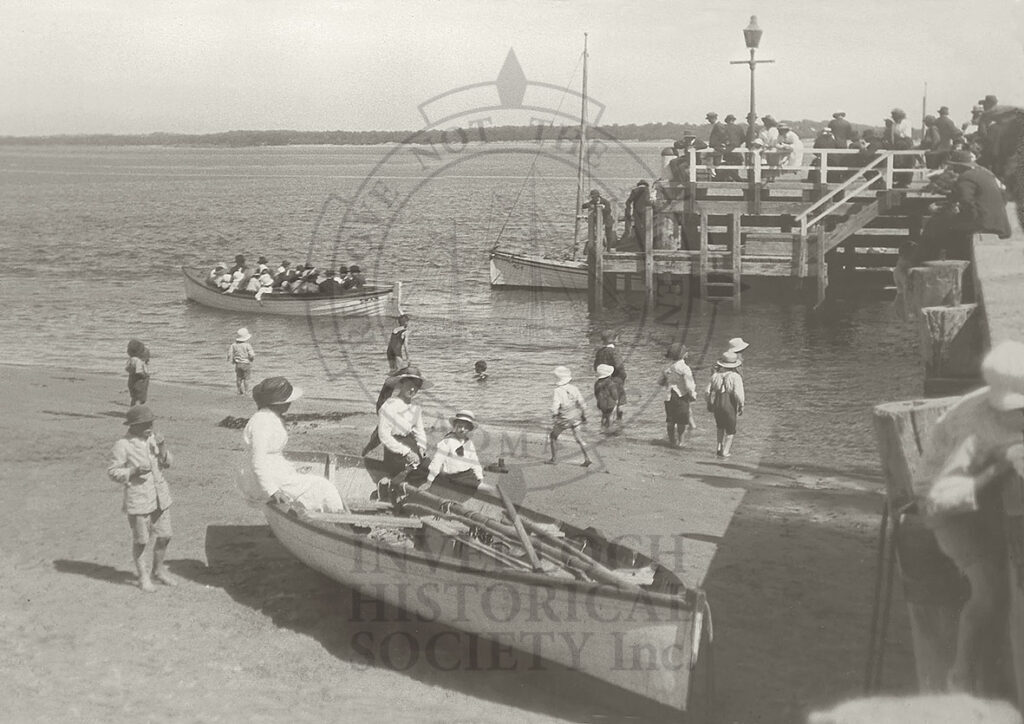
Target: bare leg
{"type": "Point", "coordinates": [727, 445]}
{"type": "Point", "coordinates": [671, 429]}
{"type": "Point", "coordinates": [583, 447]}
{"type": "Point", "coordinates": [552, 437]}
{"type": "Point", "coordinates": [980, 617]}
{"type": "Point", "coordinates": [721, 438]}
{"type": "Point", "coordinates": [139, 555]}
{"type": "Point", "coordinates": [160, 571]}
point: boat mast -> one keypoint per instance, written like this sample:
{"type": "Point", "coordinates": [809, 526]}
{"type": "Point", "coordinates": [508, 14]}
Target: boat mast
{"type": "Point", "coordinates": [584, 155]}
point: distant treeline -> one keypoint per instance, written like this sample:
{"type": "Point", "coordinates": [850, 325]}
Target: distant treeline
{"type": "Point", "coordinates": [626, 132]}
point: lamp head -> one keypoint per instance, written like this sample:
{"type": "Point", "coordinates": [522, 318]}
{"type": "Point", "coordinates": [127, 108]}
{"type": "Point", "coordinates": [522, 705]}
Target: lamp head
{"type": "Point", "coordinates": [752, 33]}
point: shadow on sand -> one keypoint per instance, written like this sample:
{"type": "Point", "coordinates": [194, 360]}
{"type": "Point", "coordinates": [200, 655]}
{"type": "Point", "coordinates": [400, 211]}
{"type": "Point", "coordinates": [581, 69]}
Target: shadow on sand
{"type": "Point", "coordinates": [98, 571]}
{"type": "Point", "coordinates": [256, 571]}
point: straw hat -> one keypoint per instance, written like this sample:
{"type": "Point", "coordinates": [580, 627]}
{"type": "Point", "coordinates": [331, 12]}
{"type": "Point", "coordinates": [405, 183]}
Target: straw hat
{"type": "Point", "coordinates": [464, 416]}
{"type": "Point", "coordinates": [1003, 370]}
{"type": "Point", "coordinates": [676, 350]}
{"type": "Point", "coordinates": [412, 372]}
{"type": "Point", "coordinates": [729, 360]}
{"type": "Point", "coordinates": [736, 344]}
{"type": "Point", "coordinates": [275, 391]}
{"type": "Point", "coordinates": [242, 335]}
{"type": "Point", "coordinates": [562, 375]}
{"type": "Point", "coordinates": [138, 415]}
{"type": "Point", "coordinates": [604, 371]}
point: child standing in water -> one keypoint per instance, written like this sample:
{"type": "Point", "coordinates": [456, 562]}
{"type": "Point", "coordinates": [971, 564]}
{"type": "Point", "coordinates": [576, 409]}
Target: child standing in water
{"type": "Point", "coordinates": [725, 399]}
{"type": "Point", "coordinates": [480, 371]}
{"type": "Point", "coordinates": [242, 355]}
{"type": "Point", "coordinates": [138, 372]}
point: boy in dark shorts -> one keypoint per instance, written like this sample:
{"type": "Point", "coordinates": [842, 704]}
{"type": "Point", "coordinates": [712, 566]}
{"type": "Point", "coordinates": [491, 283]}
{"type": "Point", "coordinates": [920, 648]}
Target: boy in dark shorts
{"type": "Point", "coordinates": [136, 463]}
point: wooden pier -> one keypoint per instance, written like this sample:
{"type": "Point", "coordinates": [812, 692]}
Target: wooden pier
{"type": "Point", "coordinates": [956, 333]}
{"type": "Point", "coordinates": [825, 221]}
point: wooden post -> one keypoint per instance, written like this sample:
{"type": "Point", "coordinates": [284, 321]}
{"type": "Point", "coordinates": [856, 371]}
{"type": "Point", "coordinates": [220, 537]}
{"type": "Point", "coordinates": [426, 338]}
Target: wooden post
{"type": "Point", "coordinates": [595, 265]}
{"type": "Point", "coordinates": [888, 171]}
{"type": "Point", "coordinates": [823, 168]}
{"type": "Point", "coordinates": [703, 272]}
{"type": "Point", "coordinates": [737, 258]}
{"type": "Point", "coordinates": [755, 189]}
{"type": "Point", "coordinates": [649, 290]}
{"type": "Point", "coordinates": [952, 347]}
{"type": "Point", "coordinates": [935, 284]}
{"type": "Point", "coordinates": [819, 252]}
{"type": "Point", "coordinates": [932, 586]}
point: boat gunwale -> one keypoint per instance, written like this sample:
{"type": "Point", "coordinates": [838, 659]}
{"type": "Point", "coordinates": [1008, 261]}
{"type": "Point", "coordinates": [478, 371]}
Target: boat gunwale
{"type": "Point", "coordinates": [569, 265]}
{"type": "Point", "coordinates": [687, 599]}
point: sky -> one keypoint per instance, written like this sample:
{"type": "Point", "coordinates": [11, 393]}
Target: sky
{"type": "Point", "coordinates": [204, 66]}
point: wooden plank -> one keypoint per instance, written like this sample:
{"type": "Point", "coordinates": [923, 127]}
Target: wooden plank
{"type": "Point", "coordinates": [649, 258]}
{"type": "Point", "coordinates": [822, 267]}
{"type": "Point", "coordinates": [595, 265]}
{"type": "Point", "coordinates": [999, 275]}
{"type": "Point", "coordinates": [364, 521]}
{"type": "Point", "coordinates": [703, 254]}
{"type": "Point", "coordinates": [770, 248]}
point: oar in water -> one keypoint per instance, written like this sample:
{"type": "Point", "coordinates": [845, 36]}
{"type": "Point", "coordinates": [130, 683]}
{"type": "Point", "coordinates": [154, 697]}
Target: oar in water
{"type": "Point", "coordinates": [524, 538]}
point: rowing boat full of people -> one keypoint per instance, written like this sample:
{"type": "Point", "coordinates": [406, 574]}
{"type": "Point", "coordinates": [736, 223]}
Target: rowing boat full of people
{"type": "Point", "coordinates": [501, 572]}
{"type": "Point", "coordinates": [370, 301]}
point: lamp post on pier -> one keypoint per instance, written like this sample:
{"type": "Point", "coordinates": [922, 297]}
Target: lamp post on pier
{"type": "Point", "coordinates": [752, 38]}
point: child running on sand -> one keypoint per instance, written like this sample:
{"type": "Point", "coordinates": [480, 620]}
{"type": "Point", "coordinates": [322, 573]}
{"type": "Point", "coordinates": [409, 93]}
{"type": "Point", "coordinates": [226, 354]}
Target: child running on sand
{"type": "Point", "coordinates": [137, 461]}
{"type": "Point", "coordinates": [138, 372]}
{"type": "Point", "coordinates": [568, 412]}
{"type": "Point", "coordinates": [242, 355]}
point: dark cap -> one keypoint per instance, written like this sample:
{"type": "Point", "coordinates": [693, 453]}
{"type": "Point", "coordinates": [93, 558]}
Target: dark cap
{"type": "Point", "coordinates": [138, 415]}
{"type": "Point", "coordinates": [275, 391]}
{"type": "Point", "coordinates": [730, 117]}
{"type": "Point", "coordinates": [676, 350]}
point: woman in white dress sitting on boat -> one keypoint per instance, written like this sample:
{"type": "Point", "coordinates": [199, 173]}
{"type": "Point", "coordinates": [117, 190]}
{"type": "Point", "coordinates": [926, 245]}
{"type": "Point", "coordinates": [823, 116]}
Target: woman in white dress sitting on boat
{"type": "Point", "coordinates": [267, 474]}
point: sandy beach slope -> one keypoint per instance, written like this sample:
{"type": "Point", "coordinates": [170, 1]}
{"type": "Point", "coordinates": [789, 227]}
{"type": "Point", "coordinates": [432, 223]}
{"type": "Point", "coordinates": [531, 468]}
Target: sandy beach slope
{"type": "Point", "coordinates": [253, 635]}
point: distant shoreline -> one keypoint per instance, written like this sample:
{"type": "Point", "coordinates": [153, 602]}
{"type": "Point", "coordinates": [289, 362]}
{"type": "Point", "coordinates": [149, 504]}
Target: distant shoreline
{"type": "Point", "coordinates": [631, 132]}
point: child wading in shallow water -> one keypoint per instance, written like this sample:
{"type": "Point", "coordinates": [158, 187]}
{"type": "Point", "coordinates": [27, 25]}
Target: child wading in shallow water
{"type": "Point", "coordinates": [242, 355]}
{"type": "Point", "coordinates": [606, 392]}
{"type": "Point", "coordinates": [137, 459]}
{"type": "Point", "coordinates": [137, 368]}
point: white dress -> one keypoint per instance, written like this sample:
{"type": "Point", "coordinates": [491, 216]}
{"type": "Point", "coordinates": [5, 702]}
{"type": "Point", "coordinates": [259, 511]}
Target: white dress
{"type": "Point", "coordinates": [266, 471]}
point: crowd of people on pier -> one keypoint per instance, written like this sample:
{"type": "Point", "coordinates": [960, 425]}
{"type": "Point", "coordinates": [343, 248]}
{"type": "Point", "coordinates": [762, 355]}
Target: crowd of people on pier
{"type": "Point", "coordinates": [301, 279]}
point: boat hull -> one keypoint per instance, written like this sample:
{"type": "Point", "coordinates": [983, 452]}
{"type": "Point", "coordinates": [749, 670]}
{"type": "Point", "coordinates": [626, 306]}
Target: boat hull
{"type": "Point", "coordinates": [641, 641]}
{"type": "Point", "coordinates": [521, 270]}
{"type": "Point", "coordinates": [373, 302]}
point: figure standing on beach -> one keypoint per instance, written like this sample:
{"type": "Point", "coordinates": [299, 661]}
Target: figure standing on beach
{"type": "Point", "coordinates": [725, 398]}
{"type": "Point", "coordinates": [398, 344]}
{"type": "Point", "coordinates": [267, 475]}
{"type": "Point", "coordinates": [400, 424]}
{"type": "Point", "coordinates": [973, 449]}
{"type": "Point", "coordinates": [137, 368]}
{"type": "Point", "coordinates": [137, 460]}
{"type": "Point", "coordinates": [455, 461]}
{"type": "Point", "coordinates": [680, 391]}
{"type": "Point", "coordinates": [607, 354]}
{"type": "Point", "coordinates": [606, 394]}
{"type": "Point", "coordinates": [568, 412]}
{"type": "Point", "coordinates": [242, 355]}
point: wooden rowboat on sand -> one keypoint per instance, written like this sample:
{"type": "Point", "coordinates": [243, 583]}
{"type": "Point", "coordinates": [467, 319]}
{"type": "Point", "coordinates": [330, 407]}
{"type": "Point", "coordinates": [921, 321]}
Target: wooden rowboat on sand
{"type": "Point", "coordinates": [371, 301]}
{"type": "Point", "coordinates": [481, 565]}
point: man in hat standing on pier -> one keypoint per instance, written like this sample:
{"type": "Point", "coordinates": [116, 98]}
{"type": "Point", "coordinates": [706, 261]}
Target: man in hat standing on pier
{"type": "Point", "coordinates": [949, 133]}
{"type": "Point", "coordinates": [637, 203]}
{"type": "Point", "coordinates": [841, 128]}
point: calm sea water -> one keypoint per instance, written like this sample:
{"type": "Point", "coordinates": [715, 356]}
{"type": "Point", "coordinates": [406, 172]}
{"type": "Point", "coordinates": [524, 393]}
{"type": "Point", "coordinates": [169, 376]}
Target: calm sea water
{"type": "Point", "coordinates": [93, 239]}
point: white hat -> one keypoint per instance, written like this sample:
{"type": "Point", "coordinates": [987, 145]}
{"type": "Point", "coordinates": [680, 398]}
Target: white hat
{"type": "Point", "coordinates": [1003, 370]}
{"type": "Point", "coordinates": [736, 344]}
{"type": "Point", "coordinates": [562, 374]}
{"type": "Point", "coordinates": [604, 371]}
{"type": "Point", "coordinates": [242, 335]}
{"type": "Point", "coordinates": [729, 360]}
{"type": "Point", "coordinates": [464, 416]}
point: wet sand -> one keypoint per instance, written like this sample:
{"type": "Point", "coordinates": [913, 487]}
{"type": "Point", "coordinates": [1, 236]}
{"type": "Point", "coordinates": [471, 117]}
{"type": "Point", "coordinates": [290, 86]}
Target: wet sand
{"type": "Point", "coordinates": [251, 634]}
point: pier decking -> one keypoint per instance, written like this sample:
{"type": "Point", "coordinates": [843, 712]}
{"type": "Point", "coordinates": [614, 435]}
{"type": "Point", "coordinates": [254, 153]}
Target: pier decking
{"type": "Point", "coordinates": [825, 220]}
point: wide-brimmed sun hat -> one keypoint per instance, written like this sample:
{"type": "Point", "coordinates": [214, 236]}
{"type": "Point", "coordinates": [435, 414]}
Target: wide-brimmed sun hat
{"type": "Point", "coordinates": [1003, 371]}
{"type": "Point", "coordinates": [562, 374]}
{"type": "Point", "coordinates": [138, 415]}
{"type": "Point", "coordinates": [412, 372]}
{"type": "Point", "coordinates": [676, 350]}
{"type": "Point", "coordinates": [275, 391]}
{"type": "Point", "coordinates": [355, 269]}
{"type": "Point", "coordinates": [604, 371]}
{"type": "Point", "coordinates": [242, 335]}
{"type": "Point", "coordinates": [464, 416]}
{"type": "Point", "coordinates": [728, 360]}
{"type": "Point", "coordinates": [961, 157]}
{"type": "Point", "coordinates": [736, 344]}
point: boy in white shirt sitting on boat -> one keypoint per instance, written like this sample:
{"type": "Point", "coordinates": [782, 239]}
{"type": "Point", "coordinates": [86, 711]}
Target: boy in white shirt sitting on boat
{"type": "Point", "coordinates": [455, 460]}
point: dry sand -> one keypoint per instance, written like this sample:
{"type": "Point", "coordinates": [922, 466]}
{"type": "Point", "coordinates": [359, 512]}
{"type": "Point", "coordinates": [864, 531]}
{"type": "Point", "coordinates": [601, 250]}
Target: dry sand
{"type": "Point", "coordinates": [253, 635]}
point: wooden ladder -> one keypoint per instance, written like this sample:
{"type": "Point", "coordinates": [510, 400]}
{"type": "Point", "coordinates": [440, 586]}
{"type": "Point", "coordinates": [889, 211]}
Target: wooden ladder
{"type": "Point", "coordinates": [718, 284]}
